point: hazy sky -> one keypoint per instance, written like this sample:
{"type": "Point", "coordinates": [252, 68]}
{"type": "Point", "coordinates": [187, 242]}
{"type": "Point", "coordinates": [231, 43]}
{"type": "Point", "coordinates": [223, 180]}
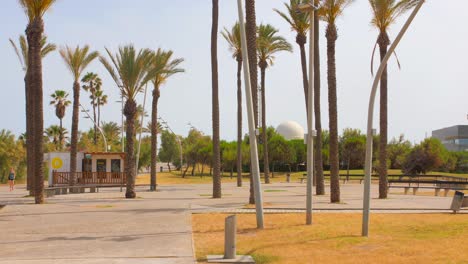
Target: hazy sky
{"type": "Point", "coordinates": [427, 93]}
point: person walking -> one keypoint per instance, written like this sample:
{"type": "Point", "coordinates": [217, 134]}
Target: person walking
{"type": "Point", "coordinates": [11, 179]}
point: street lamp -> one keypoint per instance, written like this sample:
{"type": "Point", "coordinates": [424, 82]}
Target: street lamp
{"type": "Point", "coordinates": [97, 125]}
{"type": "Point", "coordinates": [310, 8]}
{"type": "Point", "coordinates": [251, 121]}
{"type": "Point", "coordinates": [370, 116]}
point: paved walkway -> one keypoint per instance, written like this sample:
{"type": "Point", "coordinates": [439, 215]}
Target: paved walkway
{"type": "Point", "coordinates": [154, 228]}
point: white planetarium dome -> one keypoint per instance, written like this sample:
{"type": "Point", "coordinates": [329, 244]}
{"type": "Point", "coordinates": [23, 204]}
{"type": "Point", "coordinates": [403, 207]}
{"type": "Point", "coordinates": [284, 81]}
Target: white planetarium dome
{"type": "Point", "coordinates": [290, 130]}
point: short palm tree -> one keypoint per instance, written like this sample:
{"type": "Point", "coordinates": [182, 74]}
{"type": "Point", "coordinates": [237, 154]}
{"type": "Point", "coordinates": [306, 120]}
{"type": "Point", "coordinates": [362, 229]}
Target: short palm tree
{"type": "Point", "coordinates": [57, 135]}
{"type": "Point", "coordinates": [61, 102]}
{"type": "Point", "coordinates": [76, 61]}
{"type": "Point", "coordinates": [21, 51]}
{"type": "Point", "coordinates": [299, 22]}
{"type": "Point", "coordinates": [215, 101]}
{"type": "Point", "coordinates": [330, 11]}
{"type": "Point", "coordinates": [251, 34]}
{"type": "Point", "coordinates": [268, 44]}
{"type": "Point", "coordinates": [92, 83]}
{"type": "Point", "coordinates": [35, 10]}
{"type": "Point", "coordinates": [384, 14]}
{"type": "Point", "coordinates": [131, 70]}
{"type": "Point", "coordinates": [234, 40]}
{"type": "Point", "coordinates": [112, 132]}
{"type": "Point", "coordinates": [165, 66]}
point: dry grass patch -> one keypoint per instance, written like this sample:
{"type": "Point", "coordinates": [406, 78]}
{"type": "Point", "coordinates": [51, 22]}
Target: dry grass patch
{"type": "Point", "coordinates": [335, 238]}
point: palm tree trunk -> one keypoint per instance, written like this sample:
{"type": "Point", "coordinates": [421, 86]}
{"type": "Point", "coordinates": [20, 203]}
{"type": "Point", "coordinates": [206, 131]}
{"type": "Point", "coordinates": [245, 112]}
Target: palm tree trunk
{"type": "Point", "coordinates": [301, 40]}
{"type": "Point", "coordinates": [251, 32]}
{"type": "Point", "coordinates": [95, 120]}
{"type": "Point", "coordinates": [34, 35]}
{"type": "Point", "coordinates": [332, 35]}
{"type": "Point", "coordinates": [215, 103]}
{"type": "Point", "coordinates": [320, 182]}
{"type": "Point", "coordinates": [74, 132]}
{"type": "Point", "coordinates": [154, 137]}
{"type": "Point", "coordinates": [266, 166]}
{"type": "Point", "coordinates": [61, 134]}
{"type": "Point", "coordinates": [130, 170]}
{"type": "Point", "coordinates": [99, 113]}
{"type": "Point", "coordinates": [29, 136]}
{"type": "Point", "coordinates": [239, 122]}
{"type": "Point", "coordinates": [383, 42]}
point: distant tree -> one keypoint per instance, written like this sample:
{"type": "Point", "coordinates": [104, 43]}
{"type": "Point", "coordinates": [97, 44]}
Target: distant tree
{"type": "Point", "coordinates": [397, 151]}
{"type": "Point", "coordinates": [229, 156]}
{"type": "Point", "coordinates": [12, 155]}
{"type": "Point", "coordinates": [281, 152]}
{"type": "Point", "coordinates": [112, 132]}
{"type": "Point", "coordinates": [61, 102]}
{"type": "Point", "coordinates": [353, 149]}
{"type": "Point", "coordinates": [428, 156]}
{"type": "Point", "coordinates": [300, 150]}
{"type": "Point", "coordinates": [169, 150]}
{"type": "Point", "coordinates": [92, 84]}
{"type": "Point", "coordinates": [56, 135]}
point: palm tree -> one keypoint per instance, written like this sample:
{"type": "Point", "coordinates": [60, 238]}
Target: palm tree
{"type": "Point", "coordinates": [330, 11]}
{"type": "Point", "coordinates": [384, 14]}
{"type": "Point", "coordinates": [215, 102]}
{"type": "Point", "coordinates": [268, 44]}
{"type": "Point", "coordinates": [92, 83]}
{"type": "Point", "coordinates": [57, 135]}
{"type": "Point", "coordinates": [60, 101]}
{"type": "Point", "coordinates": [76, 60]}
{"type": "Point", "coordinates": [167, 66]}
{"type": "Point", "coordinates": [22, 54]}
{"type": "Point", "coordinates": [318, 156]}
{"type": "Point", "coordinates": [234, 40]}
{"type": "Point", "coordinates": [251, 34]}
{"type": "Point", "coordinates": [101, 100]}
{"type": "Point", "coordinates": [131, 70]}
{"type": "Point", "coordinates": [35, 10]}
{"type": "Point", "coordinates": [299, 22]}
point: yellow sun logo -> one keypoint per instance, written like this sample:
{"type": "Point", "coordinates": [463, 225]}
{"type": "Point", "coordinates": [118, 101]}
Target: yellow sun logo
{"type": "Point", "coordinates": [57, 163]}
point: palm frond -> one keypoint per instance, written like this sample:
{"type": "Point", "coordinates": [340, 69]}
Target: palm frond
{"type": "Point", "coordinates": [35, 8]}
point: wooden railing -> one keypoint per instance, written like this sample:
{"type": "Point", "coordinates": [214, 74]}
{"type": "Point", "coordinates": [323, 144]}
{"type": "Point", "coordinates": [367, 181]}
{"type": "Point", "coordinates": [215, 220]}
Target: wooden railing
{"type": "Point", "coordinates": [89, 178]}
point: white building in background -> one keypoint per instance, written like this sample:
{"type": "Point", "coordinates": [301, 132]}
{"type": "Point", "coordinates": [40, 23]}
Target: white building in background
{"type": "Point", "coordinates": [290, 130]}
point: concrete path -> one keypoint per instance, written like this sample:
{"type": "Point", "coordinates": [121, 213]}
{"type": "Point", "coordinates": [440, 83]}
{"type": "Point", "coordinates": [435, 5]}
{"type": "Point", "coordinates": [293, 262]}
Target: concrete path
{"type": "Point", "coordinates": [154, 228]}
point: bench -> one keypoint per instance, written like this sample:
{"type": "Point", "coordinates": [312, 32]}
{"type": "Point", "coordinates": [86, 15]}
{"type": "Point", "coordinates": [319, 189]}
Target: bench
{"type": "Point", "coordinates": [436, 189]}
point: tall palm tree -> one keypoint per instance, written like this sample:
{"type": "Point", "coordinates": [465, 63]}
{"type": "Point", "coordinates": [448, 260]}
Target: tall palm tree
{"type": "Point", "coordinates": [251, 34]}
{"type": "Point", "coordinates": [61, 102]}
{"type": "Point", "coordinates": [131, 70]}
{"type": "Point", "coordinates": [76, 61]}
{"type": "Point", "coordinates": [234, 40]}
{"type": "Point", "coordinates": [22, 54]}
{"type": "Point", "coordinates": [330, 11]}
{"type": "Point", "coordinates": [101, 100]}
{"type": "Point", "coordinates": [384, 14]}
{"type": "Point", "coordinates": [299, 22]}
{"type": "Point", "coordinates": [215, 102]}
{"type": "Point", "coordinates": [318, 155]}
{"type": "Point", "coordinates": [166, 67]}
{"type": "Point", "coordinates": [268, 44]}
{"type": "Point", "coordinates": [35, 10]}
{"type": "Point", "coordinates": [92, 83]}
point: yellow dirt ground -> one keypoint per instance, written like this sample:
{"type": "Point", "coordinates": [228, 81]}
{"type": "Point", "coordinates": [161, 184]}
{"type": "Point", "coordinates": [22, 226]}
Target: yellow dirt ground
{"type": "Point", "coordinates": [335, 238]}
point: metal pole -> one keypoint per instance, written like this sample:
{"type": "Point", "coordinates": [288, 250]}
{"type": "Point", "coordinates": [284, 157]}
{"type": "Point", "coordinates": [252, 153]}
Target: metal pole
{"type": "Point", "coordinates": [250, 114]}
{"type": "Point", "coordinates": [141, 130]}
{"type": "Point", "coordinates": [99, 128]}
{"type": "Point", "coordinates": [310, 119]}
{"type": "Point", "coordinates": [370, 115]}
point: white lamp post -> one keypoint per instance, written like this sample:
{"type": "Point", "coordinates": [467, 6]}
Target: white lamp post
{"type": "Point", "coordinates": [370, 115]}
{"type": "Point", "coordinates": [250, 114]}
{"type": "Point", "coordinates": [106, 148]}
{"type": "Point", "coordinates": [310, 8]}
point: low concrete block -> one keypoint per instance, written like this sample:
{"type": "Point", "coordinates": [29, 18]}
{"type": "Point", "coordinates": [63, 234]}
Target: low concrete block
{"type": "Point", "coordinates": [238, 259]}
{"type": "Point", "coordinates": [415, 190]}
